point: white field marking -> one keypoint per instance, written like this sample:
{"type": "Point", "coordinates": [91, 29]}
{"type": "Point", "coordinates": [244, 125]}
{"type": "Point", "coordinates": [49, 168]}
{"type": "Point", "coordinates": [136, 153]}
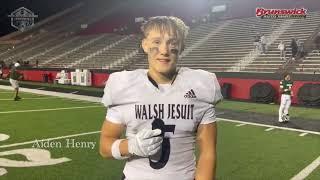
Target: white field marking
{"type": "Point", "coordinates": [303, 134]}
{"type": "Point", "coordinates": [40, 88]}
{"type": "Point", "coordinates": [53, 109]}
{"type": "Point", "coordinates": [239, 125]}
{"type": "Point", "coordinates": [56, 94]}
{"type": "Point", "coordinates": [31, 98]}
{"type": "Point", "coordinates": [4, 137]}
{"type": "Point", "coordinates": [74, 92]}
{"type": "Point", "coordinates": [6, 92]}
{"type": "Point", "coordinates": [82, 101]}
{"type": "Point", "coordinates": [269, 129]}
{"type": "Point", "coordinates": [48, 139]}
{"type": "Point", "coordinates": [3, 171]}
{"type": "Point", "coordinates": [307, 170]}
{"type": "Point", "coordinates": [264, 125]}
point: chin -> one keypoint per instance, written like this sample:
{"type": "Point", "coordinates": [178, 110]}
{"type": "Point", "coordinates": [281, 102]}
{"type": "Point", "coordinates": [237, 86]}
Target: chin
{"type": "Point", "coordinates": [166, 70]}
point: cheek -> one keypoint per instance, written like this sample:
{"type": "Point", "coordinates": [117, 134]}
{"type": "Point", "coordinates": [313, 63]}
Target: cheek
{"type": "Point", "coordinates": [174, 51]}
{"type": "Point", "coordinates": [154, 50]}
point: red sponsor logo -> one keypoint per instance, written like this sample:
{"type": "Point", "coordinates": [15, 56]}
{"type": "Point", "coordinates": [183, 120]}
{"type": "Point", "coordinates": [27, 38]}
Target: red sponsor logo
{"type": "Point", "coordinates": [262, 12]}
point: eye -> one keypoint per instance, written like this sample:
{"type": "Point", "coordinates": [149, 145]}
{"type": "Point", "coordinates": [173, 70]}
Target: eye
{"type": "Point", "coordinates": [156, 42]}
{"type": "Point", "coordinates": [173, 43]}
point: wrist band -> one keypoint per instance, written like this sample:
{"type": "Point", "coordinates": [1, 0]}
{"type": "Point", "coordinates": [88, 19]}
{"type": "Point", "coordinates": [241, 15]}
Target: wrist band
{"type": "Point", "coordinates": [115, 150]}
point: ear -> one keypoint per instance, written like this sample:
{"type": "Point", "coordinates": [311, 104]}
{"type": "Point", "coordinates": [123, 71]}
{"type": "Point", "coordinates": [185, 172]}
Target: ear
{"type": "Point", "coordinates": [182, 48]}
{"type": "Point", "coordinates": [144, 45]}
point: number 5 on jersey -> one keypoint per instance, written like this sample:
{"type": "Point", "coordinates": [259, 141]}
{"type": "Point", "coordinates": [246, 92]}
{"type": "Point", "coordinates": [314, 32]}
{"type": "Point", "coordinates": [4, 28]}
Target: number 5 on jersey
{"type": "Point", "coordinates": [165, 147]}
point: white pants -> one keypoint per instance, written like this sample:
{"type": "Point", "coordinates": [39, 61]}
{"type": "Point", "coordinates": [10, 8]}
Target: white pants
{"type": "Point", "coordinates": [14, 83]}
{"type": "Point", "coordinates": [285, 105]}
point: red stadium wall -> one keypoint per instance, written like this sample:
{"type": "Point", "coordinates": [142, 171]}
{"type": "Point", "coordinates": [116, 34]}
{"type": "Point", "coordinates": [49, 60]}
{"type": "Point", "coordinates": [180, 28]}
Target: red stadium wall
{"type": "Point", "coordinates": [37, 75]}
{"type": "Point", "coordinates": [98, 79]}
{"type": "Point", "coordinates": [240, 87]}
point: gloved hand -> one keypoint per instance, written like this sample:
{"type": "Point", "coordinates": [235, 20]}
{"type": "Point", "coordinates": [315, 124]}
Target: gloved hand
{"type": "Point", "coordinates": [145, 143]}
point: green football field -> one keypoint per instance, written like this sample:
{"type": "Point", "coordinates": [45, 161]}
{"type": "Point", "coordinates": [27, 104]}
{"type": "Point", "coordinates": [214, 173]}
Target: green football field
{"type": "Point", "coordinates": [245, 151]}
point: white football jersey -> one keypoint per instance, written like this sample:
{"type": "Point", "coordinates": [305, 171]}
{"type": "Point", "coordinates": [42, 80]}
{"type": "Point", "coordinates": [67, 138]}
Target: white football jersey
{"type": "Point", "coordinates": [177, 109]}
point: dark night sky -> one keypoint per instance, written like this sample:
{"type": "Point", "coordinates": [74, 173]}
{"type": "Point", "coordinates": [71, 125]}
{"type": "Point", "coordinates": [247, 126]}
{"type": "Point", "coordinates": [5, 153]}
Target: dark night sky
{"type": "Point", "coordinates": [42, 8]}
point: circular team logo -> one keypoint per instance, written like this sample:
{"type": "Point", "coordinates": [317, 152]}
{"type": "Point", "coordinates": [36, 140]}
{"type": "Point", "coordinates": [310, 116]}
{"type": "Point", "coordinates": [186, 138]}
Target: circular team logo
{"type": "Point", "coordinates": [22, 18]}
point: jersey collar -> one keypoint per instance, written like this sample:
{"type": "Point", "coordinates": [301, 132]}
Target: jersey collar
{"type": "Point", "coordinates": [155, 84]}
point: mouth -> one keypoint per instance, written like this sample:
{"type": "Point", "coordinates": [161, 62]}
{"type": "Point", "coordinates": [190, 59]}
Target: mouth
{"type": "Point", "coordinates": [163, 60]}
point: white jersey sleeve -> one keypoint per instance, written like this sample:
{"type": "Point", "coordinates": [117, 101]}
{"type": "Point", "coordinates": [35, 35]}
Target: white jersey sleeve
{"type": "Point", "coordinates": [114, 115]}
{"type": "Point", "coordinates": [120, 88]}
{"type": "Point", "coordinates": [118, 93]}
{"type": "Point", "coordinates": [213, 93]}
{"type": "Point", "coordinates": [209, 115]}
{"type": "Point", "coordinates": [106, 99]}
{"type": "Point", "coordinates": [114, 112]}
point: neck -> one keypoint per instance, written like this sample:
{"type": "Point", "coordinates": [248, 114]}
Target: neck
{"type": "Point", "coordinates": [162, 78]}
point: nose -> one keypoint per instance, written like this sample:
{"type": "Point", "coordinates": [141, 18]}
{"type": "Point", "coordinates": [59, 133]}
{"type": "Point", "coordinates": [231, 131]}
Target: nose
{"type": "Point", "coordinates": [164, 49]}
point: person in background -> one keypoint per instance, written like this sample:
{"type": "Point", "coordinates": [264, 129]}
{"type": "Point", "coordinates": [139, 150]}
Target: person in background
{"type": "Point", "coordinates": [317, 43]}
{"type": "Point", "coordinates": [263, 42]}
{"type": "Point", "coordinates": [1, 71]}
{"type": "Point", "coordinates": [286, 92]}
{"type": "Point", "coordinates": [294, 48]}
{"type": "Point", "coordinates": [301, 52]}
{"type": "Point", "coordinates": [282, 48]}
{"type": "Point", "coordinates": [37, 63]}
{"type": "Point", "coordinates": [256, 42]}
{"type": "Point", "coordinates": [14, 77]}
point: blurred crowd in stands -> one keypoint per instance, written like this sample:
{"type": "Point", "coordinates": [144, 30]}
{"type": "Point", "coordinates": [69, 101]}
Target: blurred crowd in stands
{"type": "Point", "coordinates": [298, 49]}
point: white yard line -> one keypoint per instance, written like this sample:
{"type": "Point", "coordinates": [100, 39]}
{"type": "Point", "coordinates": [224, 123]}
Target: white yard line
{"type": "Point", "coordinates": [56, 94]}
{"type": "Point", "coordinates": [270, 126]}
{"type": "Point", "coordinates": [52, 109]}
{"type": "Point", "coordinates": [11, 99]}
{"type": "Point", "coordinates": [307, 170]}
{"type": "Point", "coordinates": [269, 129]}
{"type": "Point", "coordinates": [40, 88]}
{"type": "Point", "coordinates": [239, 125]}
{"type": "Point", "coordinates": [303, 134]}
{"type": "Point", "coordinates": [49, 139]}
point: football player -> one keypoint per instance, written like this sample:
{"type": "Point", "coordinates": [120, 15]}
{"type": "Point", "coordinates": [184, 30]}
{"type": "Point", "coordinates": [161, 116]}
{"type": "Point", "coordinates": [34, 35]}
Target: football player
{"type": "Point", "coordinates": [164, 111]}
{"type": "Point", "coordinates": [286, 92]}
{"type": "Point", "coordinates": [14, 77]}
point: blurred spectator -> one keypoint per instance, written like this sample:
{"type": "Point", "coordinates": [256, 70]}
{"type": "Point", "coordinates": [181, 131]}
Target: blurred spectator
{"type": "Point", "coordinates": [1, 71]}
{"type": "Point", "coordinates": [193, 21]}
{"type": "Point", "coordinates": [256, 42]}
{"type": "Point", "coordinates": [37, 63]}
{"type": "Point", "coordinates": [3, 64]}
{"type": "Point", "coordinates": [301, 52]}
{"type": "Point", "coordinates": [294, 48]}
{"type": "Point", "coordinates": [282, 48]}
{"type": "Point", "coordinates": [263, 41]}
{"type": "Point", "coordinates": [317, 43]}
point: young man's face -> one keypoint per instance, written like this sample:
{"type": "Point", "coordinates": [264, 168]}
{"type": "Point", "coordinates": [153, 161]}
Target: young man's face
{"type": "Point", "coordinates": [163, 50]}
{"type": "Point", "coordinates": [287, 78]}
